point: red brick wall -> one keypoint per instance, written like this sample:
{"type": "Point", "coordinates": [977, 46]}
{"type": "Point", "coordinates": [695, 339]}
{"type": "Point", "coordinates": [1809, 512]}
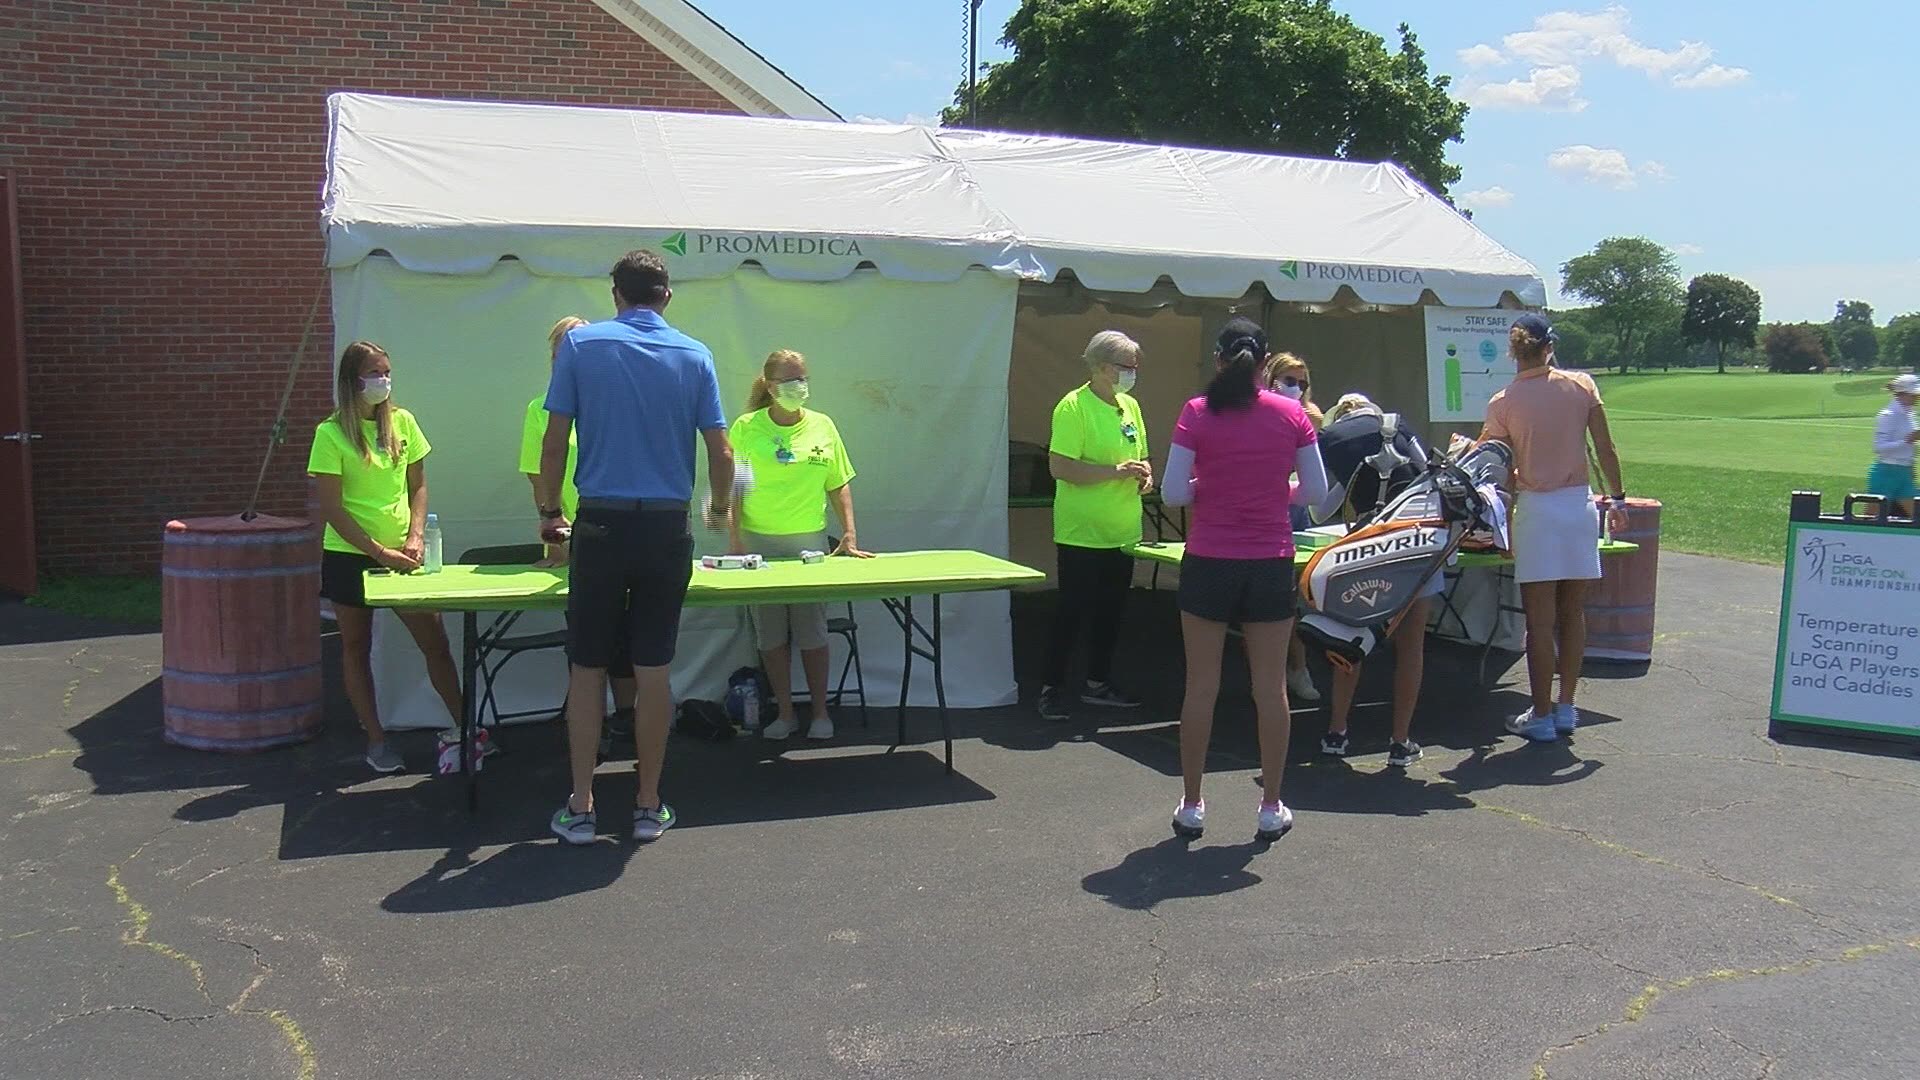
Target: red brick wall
{"type": "Point", "coordinates": [169, 156]}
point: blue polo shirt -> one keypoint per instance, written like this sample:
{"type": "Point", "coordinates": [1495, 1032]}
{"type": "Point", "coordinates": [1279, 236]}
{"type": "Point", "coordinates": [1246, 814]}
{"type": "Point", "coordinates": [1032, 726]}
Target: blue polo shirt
{"type": "Point", "coordinates": [639, 392]}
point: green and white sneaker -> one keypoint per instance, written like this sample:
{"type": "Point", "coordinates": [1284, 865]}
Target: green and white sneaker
{"type": "Point", "coordinates": [649, 824]}
{"type": "Point", "coordinates": [574, 828]}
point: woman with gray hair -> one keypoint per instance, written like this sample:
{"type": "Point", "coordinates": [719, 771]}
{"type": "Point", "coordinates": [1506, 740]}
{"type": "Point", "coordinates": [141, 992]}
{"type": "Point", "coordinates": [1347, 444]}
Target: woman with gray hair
{"type": "Point", "coordinates": [1098, 455]}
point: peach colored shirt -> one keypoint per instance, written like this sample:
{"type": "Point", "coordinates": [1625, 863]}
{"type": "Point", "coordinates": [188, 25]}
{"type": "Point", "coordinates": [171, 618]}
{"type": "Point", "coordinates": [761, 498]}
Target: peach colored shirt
{"type": "Point", "coordinates": [1543, 414]}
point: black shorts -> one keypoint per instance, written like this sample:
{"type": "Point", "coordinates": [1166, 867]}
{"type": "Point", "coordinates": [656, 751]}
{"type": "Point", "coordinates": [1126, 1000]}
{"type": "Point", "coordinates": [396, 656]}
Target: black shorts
{"type": "Point", "coordinates": [1237, 590]}
{"type": "Point", "coordinates": [627, 583]}
{"type": "Point", "coordinates": [342, 579]}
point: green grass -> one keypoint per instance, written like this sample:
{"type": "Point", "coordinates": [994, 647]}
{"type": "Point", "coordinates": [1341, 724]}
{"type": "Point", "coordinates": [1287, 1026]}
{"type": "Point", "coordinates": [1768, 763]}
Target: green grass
{"type": "Point", "coordinates": [131, 600]}
{"type": "Point", "coordinates": [1722, 452]}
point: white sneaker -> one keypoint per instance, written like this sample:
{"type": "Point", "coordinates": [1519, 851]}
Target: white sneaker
{"type": "Point", "coordinates": [1300, 686]}
{"type": "Point", "coordinates": [780, 729]}
{"type": "Point", "coordinates": [1274, 823]}
{"type": "Point", "coordinates": [1190, 820]}
{"type": "Point", "coordinates": [821, 728]}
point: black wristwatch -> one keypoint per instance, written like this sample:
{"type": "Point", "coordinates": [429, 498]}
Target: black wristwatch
{"type": "Point", "coordinates": [549, 513]}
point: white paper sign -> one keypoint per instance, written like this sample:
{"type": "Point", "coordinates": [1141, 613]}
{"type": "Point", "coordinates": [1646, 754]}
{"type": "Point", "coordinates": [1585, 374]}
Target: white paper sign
{"type": "Point", "coordinates": [1467, 360]}
{"type": "Point", "coordinates": [1849, 654]}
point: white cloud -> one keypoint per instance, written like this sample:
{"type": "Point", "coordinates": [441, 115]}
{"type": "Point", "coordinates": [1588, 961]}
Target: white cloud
{"type": "Point", "coordinates": [1481, 56]}
{"type": "Point", "coordinates": [1689, 249]}
{"type": "Point", "coordinates": [1712, 77]}
{"type": "Point", "coordinates": [1568, 37]}
{"type": "Point", "coordinates": [1552, 88]}
{"type": "Point", "coordinates": [1484, 198]}
{"type": "Point", "coordinates": [1605, 166]}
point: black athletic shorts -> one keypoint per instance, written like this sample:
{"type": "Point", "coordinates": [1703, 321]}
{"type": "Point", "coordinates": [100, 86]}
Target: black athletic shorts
{"type": "Point", "coordinates": [1237, 590]}
{"type": "Point", "coordinates": [341, 577]}
{"type": "Point", "coordinates": [627, 583]}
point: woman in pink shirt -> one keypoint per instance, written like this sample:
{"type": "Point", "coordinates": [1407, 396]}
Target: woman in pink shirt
{"type": "Point", "coordinates": [1546, 414]}
{"type": "Point", "coordinates": [1233, 453]}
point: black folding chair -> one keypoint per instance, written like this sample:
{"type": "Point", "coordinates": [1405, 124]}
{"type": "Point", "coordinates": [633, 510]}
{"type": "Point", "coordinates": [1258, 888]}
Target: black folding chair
{"type": "Point", "coordinates": [501, 648]}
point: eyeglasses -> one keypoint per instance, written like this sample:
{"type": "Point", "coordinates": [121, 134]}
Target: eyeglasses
{"type": "Point", "coordinates": [1289, 380]}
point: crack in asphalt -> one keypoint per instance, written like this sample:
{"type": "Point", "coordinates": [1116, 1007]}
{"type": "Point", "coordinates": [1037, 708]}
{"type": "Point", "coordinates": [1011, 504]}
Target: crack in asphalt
{"type": "Point", "coordinates": [105, 1010]}
{"type": "Point", "coordinates": [1642, 1003]}
{"type": "Point", "coordinates": [137, 935]}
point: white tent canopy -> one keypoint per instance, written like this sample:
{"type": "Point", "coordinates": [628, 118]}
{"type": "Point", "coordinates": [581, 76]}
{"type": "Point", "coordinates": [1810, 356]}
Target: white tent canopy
{"type": "Point", "coordinates": [454, 187]}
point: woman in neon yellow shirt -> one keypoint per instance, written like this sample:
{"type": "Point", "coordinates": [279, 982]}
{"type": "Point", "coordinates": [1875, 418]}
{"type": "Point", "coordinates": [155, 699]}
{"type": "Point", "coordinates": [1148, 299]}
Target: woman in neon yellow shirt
{"type": "Point", "coordinates": [373, 494]}
{"type": "Point", "coordinates": [532, 431]}
{"type": "Point", "coordinates": [1097, 451]}
{"type": "Point", "coordinates": [795, 464]}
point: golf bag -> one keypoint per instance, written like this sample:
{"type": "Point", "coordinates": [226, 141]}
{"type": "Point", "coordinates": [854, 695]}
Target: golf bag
{"type": "Point", "coordinates": [1357, 588]}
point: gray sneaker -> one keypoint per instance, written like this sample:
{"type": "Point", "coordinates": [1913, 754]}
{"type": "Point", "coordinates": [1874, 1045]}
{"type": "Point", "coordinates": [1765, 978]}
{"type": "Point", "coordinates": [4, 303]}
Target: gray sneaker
{"type": "Point", "coordinates": [385, 759]}
{"type": "Point", "coordinates": [574, 828]}
{"type": "Point", "coordinates": [649, 824]}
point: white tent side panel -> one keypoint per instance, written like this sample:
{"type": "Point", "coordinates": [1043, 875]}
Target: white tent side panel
{"type": "Point", "coordinates": [914, 375]}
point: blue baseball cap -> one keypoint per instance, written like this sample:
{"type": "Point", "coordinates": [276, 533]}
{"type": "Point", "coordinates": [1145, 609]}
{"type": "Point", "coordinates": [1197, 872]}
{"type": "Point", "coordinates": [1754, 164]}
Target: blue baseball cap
{"type": "Point", "coordinates": [1537, 327]}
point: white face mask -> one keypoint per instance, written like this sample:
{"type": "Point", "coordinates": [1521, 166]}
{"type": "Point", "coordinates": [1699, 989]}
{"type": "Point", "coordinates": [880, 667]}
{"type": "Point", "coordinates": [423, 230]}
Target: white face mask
{"type": "Point", "coordinates": [1123, 380]}
{"type": "Point", "coordinates": [376, 390]}
{"type": "Point", "coordinates": [1293, 392]}
{"type": "Point", "coordinates": [792, 393]}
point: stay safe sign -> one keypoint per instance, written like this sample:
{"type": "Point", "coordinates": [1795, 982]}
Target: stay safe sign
{"type": "Point", "coordinates": [1849, 654]}
{"type": "Point", "coordinates": [1467, 360]}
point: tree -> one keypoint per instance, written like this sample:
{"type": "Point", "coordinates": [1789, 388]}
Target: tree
{"type": "Point", "coordinates": [1902, 348]}
{"type": "Point", "coordinates": [1721, 311]}
{"type": "Point", "coordinates": [1575, 346]}
{"type": "Point", "coordinates": [1854, 338]}
{"type": "Point", "coordinates": [1794, 347]}
{"type": "Point", "coordinates": [1858, 345]}
{"type": "Point", "coordinates": [1274, 76]}
{"type": "Point", "coordinates": [1631, 281]}
{"type": "Point", "coordinates": [1661, 341]}
{"type": "Point", "coordinates": [1852, 311]}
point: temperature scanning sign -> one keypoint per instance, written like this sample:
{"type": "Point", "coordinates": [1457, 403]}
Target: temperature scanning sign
{"type": "Point", "coordinates": [1467, 360]}
{"type": "Point", "coordinates": [1849, 653]}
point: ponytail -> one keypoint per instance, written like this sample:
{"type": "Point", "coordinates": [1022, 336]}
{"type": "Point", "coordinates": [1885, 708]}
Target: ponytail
{"type": "Point", "coordinates": [1242, 348]}
{"type": "Point", "coordinates": [761, 395]}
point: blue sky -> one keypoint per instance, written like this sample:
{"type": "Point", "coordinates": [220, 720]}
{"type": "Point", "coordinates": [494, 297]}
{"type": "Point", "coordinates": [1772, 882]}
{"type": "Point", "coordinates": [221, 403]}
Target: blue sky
{"type": "Point", "coordinates": [1753, 140]}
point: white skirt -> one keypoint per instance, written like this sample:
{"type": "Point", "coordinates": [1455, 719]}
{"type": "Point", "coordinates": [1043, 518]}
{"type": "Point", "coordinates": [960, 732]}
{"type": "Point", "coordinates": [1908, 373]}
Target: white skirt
{"type": "Point", "coordinates": [1556, 536]}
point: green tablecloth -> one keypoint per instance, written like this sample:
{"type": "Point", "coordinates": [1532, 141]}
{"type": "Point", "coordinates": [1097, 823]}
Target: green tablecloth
{"type": "Point", "coordinates": [523, 588]}
{"type": "Point", "coordinates": [1309, 542]}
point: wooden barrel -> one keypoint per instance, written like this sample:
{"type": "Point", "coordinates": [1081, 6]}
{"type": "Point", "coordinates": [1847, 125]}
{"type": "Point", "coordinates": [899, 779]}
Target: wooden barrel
{"type": "Point", "coordinates": [240, 637]}
{"type": "Point", "coordinates": [1620, 605]}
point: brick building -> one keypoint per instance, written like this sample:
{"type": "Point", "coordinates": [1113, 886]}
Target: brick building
{"type": "Point", "coordinates": [167, 157]}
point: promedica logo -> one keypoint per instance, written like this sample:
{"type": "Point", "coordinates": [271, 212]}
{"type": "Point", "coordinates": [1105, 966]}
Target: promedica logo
{"type": "Point", "coordinates": [1294, 270]}
{"type": "Point", "coordinates": [761, 244]}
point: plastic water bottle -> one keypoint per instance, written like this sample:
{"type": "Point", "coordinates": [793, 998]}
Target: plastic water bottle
{"type": "Point", "coordinates": [750, 705]}
{"type": "Point", "coordinates": [431, 565]}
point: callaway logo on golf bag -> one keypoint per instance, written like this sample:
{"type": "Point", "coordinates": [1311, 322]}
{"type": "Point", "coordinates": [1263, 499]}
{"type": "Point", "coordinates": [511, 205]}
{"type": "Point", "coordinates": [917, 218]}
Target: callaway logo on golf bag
{"type": "Point", "coordinates": [1357, 588]}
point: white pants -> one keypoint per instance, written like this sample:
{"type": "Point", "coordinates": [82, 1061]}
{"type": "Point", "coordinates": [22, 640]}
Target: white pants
{"type": "Point", "coordinates": [1556, 536]}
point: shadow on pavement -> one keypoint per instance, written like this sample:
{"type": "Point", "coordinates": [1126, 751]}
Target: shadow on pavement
{"type": "Point", "coordinates": [1174, 869]}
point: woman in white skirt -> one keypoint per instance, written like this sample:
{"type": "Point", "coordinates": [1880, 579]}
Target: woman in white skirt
{"type": "Point", "coordinates": [1546, 415]}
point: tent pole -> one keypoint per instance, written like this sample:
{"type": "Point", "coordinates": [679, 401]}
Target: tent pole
{"type": "Point", "coordinates": [973, 62]}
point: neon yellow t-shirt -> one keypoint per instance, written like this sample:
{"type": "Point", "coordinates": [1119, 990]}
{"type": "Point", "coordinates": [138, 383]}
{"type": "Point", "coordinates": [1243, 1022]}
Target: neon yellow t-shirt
{"type": "Point", "coordinates": [793, 469]}
{"type": "Point", "coordinates": [532, 434]}
{"type": "Point", "coordinates": [1085, 428]}
{"type": "Point", "coordinates": [375, 493]}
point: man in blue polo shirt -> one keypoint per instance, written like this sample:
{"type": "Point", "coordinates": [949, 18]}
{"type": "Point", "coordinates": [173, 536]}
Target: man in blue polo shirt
{"type": "Point", "coordinates": [638, 391]}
